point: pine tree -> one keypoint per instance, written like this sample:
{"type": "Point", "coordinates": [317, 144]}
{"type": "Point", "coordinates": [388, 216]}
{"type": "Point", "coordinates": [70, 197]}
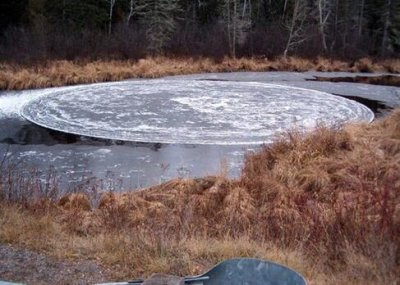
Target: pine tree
{"type": "Point", "coordinates": [76, 14]}
{"type": "Point", "coordinates": [159, 18]}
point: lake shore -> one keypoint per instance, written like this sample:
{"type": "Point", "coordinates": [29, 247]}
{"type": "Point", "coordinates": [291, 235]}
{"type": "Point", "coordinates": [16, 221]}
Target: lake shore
{"type": "Point", "coordinates": [62, 72]}
{"type": "Point", "coordinates": [325, 204]}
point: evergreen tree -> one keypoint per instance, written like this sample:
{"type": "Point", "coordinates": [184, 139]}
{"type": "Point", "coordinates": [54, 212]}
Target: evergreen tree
{"type": "Point", "coordinates": [159, 18]}
{"type": "Point", "coordinates": [78, 14]}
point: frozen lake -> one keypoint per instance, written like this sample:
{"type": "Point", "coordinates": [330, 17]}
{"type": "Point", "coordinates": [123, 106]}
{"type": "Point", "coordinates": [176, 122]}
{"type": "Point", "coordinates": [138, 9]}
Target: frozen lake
{"type": "Point", "coordinates": [181, 126]}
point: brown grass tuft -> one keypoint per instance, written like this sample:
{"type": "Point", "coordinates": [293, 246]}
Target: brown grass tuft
{"type": "Point", "coordinates": [75, 202]}
{"type": "Point", "coordinates": [365, 65]}
{"type": "Point", "coordinates": [392, 65]}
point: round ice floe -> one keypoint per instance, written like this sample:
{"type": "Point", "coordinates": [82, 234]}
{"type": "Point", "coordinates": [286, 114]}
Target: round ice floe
{"type": "Point", "coordinates": [189, 111]}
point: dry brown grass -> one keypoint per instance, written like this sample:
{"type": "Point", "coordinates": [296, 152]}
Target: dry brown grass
{"type": "Point", "coordinates": [130, 254]}
{"type": "Point", "coordinates": [137, 254]}
{"type": "Point", "coordinates": [60, 73]}
{"type": "Point", "coordinates": [326, 204]}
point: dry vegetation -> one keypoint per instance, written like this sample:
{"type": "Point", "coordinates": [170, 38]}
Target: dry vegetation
{"type": "Point", "coordinates": [60, 73]}
{"type": "Point", "coordinates": [326, 204]}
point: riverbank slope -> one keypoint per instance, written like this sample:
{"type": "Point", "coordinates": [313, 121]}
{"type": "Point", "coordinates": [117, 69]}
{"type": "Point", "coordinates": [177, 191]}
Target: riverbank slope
{"type": "Point", "coordinates": [61, 73]}
{"type": "Point", "coordinates": [325, 203]}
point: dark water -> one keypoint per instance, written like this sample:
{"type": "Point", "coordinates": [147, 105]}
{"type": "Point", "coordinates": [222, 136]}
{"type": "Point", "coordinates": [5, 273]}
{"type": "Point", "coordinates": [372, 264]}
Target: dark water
{"type": "Point", "coordinates": [114, 165]}
{"type": "Point", "coordinates": [378, 107]}
{"type": "Point", "coordinates": [384, 80]}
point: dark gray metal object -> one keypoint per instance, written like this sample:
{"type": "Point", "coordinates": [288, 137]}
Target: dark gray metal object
{"type": "Point", "coordinates": [243, 271]}
{"type": "Point", "coordinates": [251, 271]}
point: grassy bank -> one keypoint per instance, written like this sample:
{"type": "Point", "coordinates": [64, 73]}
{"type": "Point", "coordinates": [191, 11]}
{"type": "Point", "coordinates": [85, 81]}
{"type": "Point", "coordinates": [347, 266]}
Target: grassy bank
{"type": "Point", "coordinates": [326, 204]}
{"type": "Point", "coordinates": [60, 73]}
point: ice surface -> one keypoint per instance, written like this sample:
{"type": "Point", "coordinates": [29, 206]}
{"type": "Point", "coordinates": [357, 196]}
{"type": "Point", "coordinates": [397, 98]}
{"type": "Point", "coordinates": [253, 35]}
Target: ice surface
{"type": "Point", "coordinates": [189, 111]}
{"type": "Point", "coordinates": [12, 101]}
{"type": "Point", "coordinates": [125, 166]}
{"type": "Point", "coordinates": [389, 95]}
{"type": "Point", "coordinates": [10, 104]}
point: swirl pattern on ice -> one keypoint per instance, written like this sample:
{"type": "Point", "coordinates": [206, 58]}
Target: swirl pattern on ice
{"type": "Point", "coordinates": [189, 111]}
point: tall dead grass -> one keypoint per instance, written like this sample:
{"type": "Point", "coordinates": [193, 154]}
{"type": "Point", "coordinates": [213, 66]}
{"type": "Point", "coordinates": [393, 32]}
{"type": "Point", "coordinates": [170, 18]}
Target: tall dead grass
{"type": "Point", "coordinates": [325, 203]}
{"type": "Point", "coordinates": [330, 192]}
{"type": "Point", "coordinates": [60, 73]}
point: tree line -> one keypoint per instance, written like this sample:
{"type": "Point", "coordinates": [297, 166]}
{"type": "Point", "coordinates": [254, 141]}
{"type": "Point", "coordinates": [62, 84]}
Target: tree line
{"type": "Point", "coordinates": [70, 29]}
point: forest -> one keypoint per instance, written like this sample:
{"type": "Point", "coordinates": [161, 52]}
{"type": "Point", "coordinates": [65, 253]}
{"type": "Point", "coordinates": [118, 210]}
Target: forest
{"type": "Point", "coordinates": [34, 30]}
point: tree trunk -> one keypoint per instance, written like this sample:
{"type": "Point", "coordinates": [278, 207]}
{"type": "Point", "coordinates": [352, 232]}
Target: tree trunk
{"type": "Point", "coordinates": [131, 11]}
{"type": "Point", "coordinates": [235, 22]}
{"type": "Point", "coordinates": [228, 7]}
{"type": "Point", "coordinates": [284, 9]}
{"type": "Point", "coordinates": [293, 23]}
{"type": "Point", "coordinates": [295, 27]}
{"type": "Point", "coordinates": [386, 26]}
{"type": "Point", "coordinates": [322, 22]}
{"type": "Point", "coordinates": [361, 19]}
{"type": "Point", "coordinates": [63, 13]}
{"type": "Point", "coordinates": [112, 2]}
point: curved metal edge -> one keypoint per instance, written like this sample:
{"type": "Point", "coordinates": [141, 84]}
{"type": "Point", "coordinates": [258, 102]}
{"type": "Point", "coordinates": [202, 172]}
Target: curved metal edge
{"type": "Point", "coordinates": [254, 259]}
{"type": "Point", "coordinates": [204, 275]}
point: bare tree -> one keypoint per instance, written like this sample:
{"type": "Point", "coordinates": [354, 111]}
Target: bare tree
{"type": "Point", "coordinates": [335, 9]}
{"type": "Point", "coordinates": [237, 15]}
{"type": "Point", "coordinates": [361, 18]}
{"type": "Point", "coordinates": [131, 11]}
{"type": "Point", "coordinates": [284, 8]}
{"type": "Point", "coordinates": [386, 25]}
{"type": "Point", "coordinates": [296, 26]}
{"type": "Point", "coordinates": [324, 11]}
{"type": "Point", "coordinates": [110, 14]}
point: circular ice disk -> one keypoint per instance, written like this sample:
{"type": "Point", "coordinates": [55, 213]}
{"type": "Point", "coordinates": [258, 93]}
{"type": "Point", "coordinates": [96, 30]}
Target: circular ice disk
{"type": "Point", "coordinates": [189, 111]}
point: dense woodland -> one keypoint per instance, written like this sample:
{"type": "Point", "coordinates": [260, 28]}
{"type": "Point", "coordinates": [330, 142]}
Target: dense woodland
{"type": "Point", "coordinates": [33, 30]}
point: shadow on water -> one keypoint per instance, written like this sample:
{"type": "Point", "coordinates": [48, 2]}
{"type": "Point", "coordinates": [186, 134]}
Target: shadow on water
{"type": "Point", "coordinates": [379, 108]}
{"type": "Point", "coordinates": [18, 132]}
{"type": "Point", "coordinates": [386, 80]}
{"type": "Point", "coordinates": [214, 79]}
